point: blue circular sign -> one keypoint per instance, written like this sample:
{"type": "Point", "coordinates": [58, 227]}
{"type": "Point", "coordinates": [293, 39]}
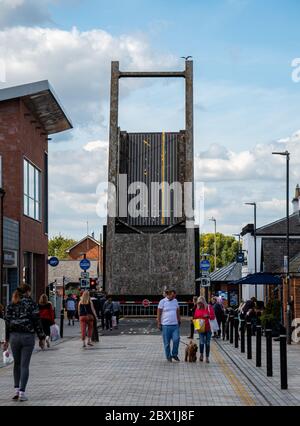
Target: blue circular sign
{"type": "Point", "coordinates": [53, 261]}
{"type": "Point", "coordinates": [85, 264]}
{"type": "Point", "coordinates": [205, 265]}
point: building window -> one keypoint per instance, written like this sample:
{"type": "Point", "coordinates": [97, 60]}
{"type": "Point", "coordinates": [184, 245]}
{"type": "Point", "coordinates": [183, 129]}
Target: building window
{"type": "Point", "coordinates": [32, 198]}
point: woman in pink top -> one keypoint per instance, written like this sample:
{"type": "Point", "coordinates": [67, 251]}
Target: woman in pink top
{"type": "Point", "coordinates": [206, 312]}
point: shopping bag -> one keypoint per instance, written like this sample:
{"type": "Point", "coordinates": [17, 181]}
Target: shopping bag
{"type": "Point", "coordinates": [214, 326]}
{"type": "Point", "coordinates": [7, 358]}
{"type": "Point", "coordinates": [114, 321]}
{"type": "Point", "coordinates": [199, 325]}
{"type": "Point", "coordinates": [54, 332]}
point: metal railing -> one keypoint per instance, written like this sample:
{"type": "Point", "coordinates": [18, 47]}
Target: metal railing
{"type": "Point", "coordinates": [139, 311]}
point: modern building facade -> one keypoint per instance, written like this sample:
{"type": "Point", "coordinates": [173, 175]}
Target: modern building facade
{"type": "Point", "coordinates": [28, 115]}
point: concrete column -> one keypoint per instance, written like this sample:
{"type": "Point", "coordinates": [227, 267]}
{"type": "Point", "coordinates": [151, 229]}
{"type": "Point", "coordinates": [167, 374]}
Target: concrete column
{"type": "Point", "coordinates": [112, 166]}
{"type": "Point", "coordinates": [189, 165]}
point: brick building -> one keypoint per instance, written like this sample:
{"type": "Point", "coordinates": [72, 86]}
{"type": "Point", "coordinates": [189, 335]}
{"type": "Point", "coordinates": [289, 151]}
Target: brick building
{"type": "Point", "coordinates": [271, 251]}
{"type": "Point", "coordinates": [28, 114]}
{"type": "Point", "coordinates": [88, 246]}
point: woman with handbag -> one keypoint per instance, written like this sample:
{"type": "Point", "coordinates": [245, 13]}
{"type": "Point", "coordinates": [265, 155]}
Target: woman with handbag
{"type": "Point", "coordinates": [203, 315]}
{"type": "Point", "coordinates": [86, 313]}
{"type": "Point", "coordinates": [47, 316]}
{"type": "Point", "coordinates": [22, 323]}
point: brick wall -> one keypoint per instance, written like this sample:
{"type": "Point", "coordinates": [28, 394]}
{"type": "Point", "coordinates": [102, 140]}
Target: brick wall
{"type": "Point", "coordinates": [89, 247]}
{"type": "Point", "coordinates": [20, 138]}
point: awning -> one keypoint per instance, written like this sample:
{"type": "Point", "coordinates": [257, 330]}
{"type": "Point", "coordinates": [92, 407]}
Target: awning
{"type": "Point", "coordinates": [259, 279]}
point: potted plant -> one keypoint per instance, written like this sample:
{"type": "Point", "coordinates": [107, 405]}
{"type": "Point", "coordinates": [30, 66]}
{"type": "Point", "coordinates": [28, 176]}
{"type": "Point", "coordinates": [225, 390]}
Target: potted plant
{"type": "Point", "coordinates": [271, 317]}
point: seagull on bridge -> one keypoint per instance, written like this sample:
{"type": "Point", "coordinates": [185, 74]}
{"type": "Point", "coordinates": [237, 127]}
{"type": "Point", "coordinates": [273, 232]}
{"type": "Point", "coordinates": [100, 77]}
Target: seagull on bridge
{"type": "Point", "coordinates": [186, 57]}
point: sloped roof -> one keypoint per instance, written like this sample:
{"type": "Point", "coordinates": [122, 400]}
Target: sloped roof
{"type": "Point", "coordinates": [277, 228]}
{"type": "Point", "coordinates": [41, 100]}
{"type": "Point", "coordinates": [230, 272]}
{"type": "Point", "coordinates": [88, 237]}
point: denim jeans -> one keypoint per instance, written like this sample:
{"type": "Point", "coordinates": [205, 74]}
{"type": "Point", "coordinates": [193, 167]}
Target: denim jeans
{"type": "Point", "coordinates": [171, 333]}
{"type": "Point", "coordinates": [205, 339]}
{"type": "Point", "coordinates": [22, 345]}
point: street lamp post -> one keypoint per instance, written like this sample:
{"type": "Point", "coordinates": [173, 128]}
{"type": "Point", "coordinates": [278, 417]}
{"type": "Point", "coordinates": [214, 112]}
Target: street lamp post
{"type": "Point", "coordinates": [215, 245]}
{"type": "Point", "coordinates": [289, 313]}
{"type": "Point", "coordinates": [255, 247]}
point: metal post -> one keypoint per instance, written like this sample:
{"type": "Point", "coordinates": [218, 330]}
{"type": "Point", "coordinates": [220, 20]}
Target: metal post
{"type": "Point", "coordinates": [255, 246]}
{"type": "Point", "coordinates": [269, 353]}
{"type": "Point", "coordinates": [249, 341]}
{"type": "Point", "coordinates": [283, 362]}
{"type": "Point", "coordinates": [289, 313]}
{"type": "Point", "coordinates": [236, 332]}
{"type": "Point", "coordinates": [258, 345]}
{"type": "Point", "coordinates": [243, 324]}
{"type": "Point", "coordinates": [231, 319]}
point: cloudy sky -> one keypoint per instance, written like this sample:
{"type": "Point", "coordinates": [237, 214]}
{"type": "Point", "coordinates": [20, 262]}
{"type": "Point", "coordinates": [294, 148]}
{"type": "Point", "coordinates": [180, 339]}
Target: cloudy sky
{"type": "Point", "coordinates": [246, 102]}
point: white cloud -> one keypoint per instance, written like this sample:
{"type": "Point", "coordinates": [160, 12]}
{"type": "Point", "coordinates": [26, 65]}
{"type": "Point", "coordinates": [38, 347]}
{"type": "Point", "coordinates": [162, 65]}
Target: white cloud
{"type": "Point", "coordinates": [96, 146]}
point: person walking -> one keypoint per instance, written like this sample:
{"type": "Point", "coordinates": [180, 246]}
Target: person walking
{"type": "Point", "coordinates": [47, 316]}
{"type": "Point", "coordinates": [95, 302]}
{"type": "Point", "coordinates": [22, 322]}
{"type": "Point", "coordinates": [117, 309]}
{"type": "Point", "coordinates": [168, 321]}
{"type": "Point", "coordinates": [108, 313]}
{"type": "Point", "coordinates": [192, 312]}
{"type": "Point", "coordinates": [219, 314]}
{"type": "Point", "coordinates": [101, 305]}
{"type": "Point", "coordinates": [206, 313]}
{"type": "Point", "coordinates": [86, 313]}
{"type": "Point", "coordinates": [71, 309]}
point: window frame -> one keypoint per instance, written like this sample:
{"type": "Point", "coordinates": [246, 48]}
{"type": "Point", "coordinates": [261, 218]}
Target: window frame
{"type": "Point", "coordinates": [30, 200]}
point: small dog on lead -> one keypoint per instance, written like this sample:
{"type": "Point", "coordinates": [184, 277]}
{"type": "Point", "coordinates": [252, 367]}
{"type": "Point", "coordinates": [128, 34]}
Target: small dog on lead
{"type": "Point", "coordinates": [191, 352]}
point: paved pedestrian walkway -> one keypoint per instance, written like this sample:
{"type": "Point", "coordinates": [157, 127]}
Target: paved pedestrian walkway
{"type": "Point", "coordinates": [130, 369]}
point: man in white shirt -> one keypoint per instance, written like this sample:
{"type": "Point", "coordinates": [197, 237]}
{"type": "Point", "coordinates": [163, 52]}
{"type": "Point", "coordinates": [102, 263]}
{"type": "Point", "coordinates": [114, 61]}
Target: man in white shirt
{"type": "Point", "coordinates": [168, 321]}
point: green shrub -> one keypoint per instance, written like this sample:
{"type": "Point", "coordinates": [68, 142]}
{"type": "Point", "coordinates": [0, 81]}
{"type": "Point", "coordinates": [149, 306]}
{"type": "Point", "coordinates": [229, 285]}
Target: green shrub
{"type": "Point", "coordinates": [272, 314]}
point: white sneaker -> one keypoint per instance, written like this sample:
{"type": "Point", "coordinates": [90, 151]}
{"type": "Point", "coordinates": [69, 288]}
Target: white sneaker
{"type": "Point", "coordinates": [48, 341]}
{"type": "Point", "coordinates": [22, 397]}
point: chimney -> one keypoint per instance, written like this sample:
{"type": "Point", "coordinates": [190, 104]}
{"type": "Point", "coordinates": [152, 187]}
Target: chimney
{"type": "Point", "coordinates": [296, 200]}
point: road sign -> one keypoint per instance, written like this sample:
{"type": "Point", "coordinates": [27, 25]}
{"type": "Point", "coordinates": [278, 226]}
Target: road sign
{"type": "Point", "coordinates": [241, 258]}
{"type": "Point", "coordinates": [146, 303]}
{"type": "Point", "coordinates": [84, 283]}
{"type": "Point", "coordinates": [85, 275]}
{"type": "Point", "coordinates": [53, 261]}
{"type": "Point", "coordinates": [205, 282]}
{"type": "Point", "coordinates": [205, 265]}
{"type": "Point", "coordinates": [85, 264]}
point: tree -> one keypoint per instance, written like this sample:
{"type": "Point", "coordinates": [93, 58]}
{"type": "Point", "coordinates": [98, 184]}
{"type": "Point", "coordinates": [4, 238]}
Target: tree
{"type": "Point", "coordinates": [58, 245]}
{"type": "Point", "coordinates": [227, 249]}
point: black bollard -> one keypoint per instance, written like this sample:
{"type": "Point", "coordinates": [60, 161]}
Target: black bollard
{"type": "Point", "coordinates": [243, 324]}
{"type": "Point", "coordinates": [227, 327]}
{"type": "Point", "coordinates": [283, 362]}
{"type": "Point", "coordinates": [258, 346]}
{"type": "Point", "coordinates": [62, 317]}
{"type": "Point", "coordinates": [269, 353]}
{"type": "Point", "coordinates": [249, 340]}
{"type": "Point", "coordinates": [223, 329]}
{"type": "Point", "coordinates": [231, 319]}
{"type": "Point", "coordinates": [236, 332]}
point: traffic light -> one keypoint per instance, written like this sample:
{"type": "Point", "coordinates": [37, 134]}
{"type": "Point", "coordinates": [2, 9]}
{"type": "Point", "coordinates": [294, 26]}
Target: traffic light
{"type": "Point", "coordinates": [93, 283]}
